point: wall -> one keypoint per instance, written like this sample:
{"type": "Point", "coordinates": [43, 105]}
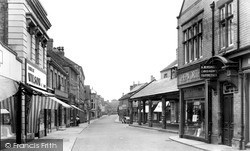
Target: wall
{"type": "Point", "coordinates": [10, 65]}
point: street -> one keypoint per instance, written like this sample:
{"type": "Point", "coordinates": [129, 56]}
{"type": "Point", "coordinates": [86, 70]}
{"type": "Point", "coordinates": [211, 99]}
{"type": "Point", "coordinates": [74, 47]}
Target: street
{"type": "Point", "coordinates": [107, 135]}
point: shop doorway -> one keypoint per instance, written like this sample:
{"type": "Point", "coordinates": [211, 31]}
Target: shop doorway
{"type": "Point", "coordinates": [227, 119]}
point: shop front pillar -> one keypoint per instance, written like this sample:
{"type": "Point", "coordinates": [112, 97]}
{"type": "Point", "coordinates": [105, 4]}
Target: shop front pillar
{"type": "Point", "coordinates": [130, 111]}
{"type": "Point", "coordinates": [18, 103]}
{"type": "Point", "coordinates": [139, 112]}
{"type": "Point", "coordinates": [144, 112]}
{"type": "Point", "coordinates": [182, 114]}
{"type": "Point", "coordinates": [164, 124]}
{"type": "Point", "coordinates": [150, 118]}
{"type": "Point", "coordinates": [208, 110]}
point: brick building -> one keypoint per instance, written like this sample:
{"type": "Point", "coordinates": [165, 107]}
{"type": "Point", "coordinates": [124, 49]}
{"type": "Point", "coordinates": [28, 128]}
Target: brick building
{"type": "Point", "coordinates": [213, 71]}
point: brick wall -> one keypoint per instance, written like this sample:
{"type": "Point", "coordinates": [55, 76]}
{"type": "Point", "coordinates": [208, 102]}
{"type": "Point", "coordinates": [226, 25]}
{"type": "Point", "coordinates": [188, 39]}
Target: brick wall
{"type": "Point", "coordinates": [3, 21]}
{"type": "Point", "coordinates": [244, 23]}
{"type": "Point", "coordinates": [191, 11]}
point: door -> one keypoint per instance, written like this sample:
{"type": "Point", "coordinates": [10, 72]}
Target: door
{"type": "Point", "coordinates": [227, 124]}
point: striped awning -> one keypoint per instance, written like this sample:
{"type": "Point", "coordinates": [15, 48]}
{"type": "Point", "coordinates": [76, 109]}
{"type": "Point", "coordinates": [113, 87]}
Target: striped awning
{"type": "Point", "coordinates": [8, 88]}
{"type": "Point", "coordinates": [77, 108]}
{"type": "Point", "coordinates": [9, 105]}
{"type": "Point", "coordinates": [61, 102]}
{"type": "Point", "coordinates": [38, 103]}
{"type": "Point", "coordinates": [41, 100]}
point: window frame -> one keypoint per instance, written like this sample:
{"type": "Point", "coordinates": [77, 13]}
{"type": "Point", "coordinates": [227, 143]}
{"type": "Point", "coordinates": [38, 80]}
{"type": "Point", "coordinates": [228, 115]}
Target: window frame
{"type": "Point", "coordinates": [226, 25]}
{"type": "Point", "coordinates": [192, 42]}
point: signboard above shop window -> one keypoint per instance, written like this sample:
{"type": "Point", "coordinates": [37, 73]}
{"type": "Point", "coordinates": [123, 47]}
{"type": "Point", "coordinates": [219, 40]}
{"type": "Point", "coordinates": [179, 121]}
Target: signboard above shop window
{"type": "Point", "coordinates": [35, 76]}
{"type": "Point", "coordinates": [208, 71]}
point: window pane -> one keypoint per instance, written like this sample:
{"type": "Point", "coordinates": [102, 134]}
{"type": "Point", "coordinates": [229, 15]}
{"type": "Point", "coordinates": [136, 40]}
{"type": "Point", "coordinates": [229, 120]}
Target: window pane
{"type": "Point", "coordinates": [196, 52]}
{"type": "Point", "coordinates": [195, 30]}
{"type": "Point", "coordinates": [191, 53]}
{"type": "Point", "coordinates": [200, 45]}
{"type": "Point", "coordinates": [195, 118]}
{"type": "Point", "coordinates": [222, 13]}
{"type": "Point", "coordinates": [230, 32]}
{"type": "Point", "coordinates": [190, 33]}
{"type": "Point", "coordinates": [186, 53]}
{"type": "Point", "coordinates": [230, 11]}
{"type": "Point", "coordinates": [223, 35]}
{"type": "Point", "coordinates": [200, 27]}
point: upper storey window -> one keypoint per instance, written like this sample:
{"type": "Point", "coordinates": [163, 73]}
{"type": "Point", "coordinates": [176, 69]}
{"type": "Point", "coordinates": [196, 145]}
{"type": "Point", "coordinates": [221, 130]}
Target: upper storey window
{"type": "Point", "coordinates": [192, 42]}
{"type": "Point", "coordinates": [226, 25]}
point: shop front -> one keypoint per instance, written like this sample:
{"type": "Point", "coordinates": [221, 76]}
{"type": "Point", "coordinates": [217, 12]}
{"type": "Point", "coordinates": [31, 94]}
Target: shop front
{"type": "Point", "coordinates": [194, 111]}
{"type": "Point", "coordinates": [43, 109]}
{"type": "Point", "coordinates": [193, 104]}
{"type": "Point", "coordinates": [210, 97]}
{"type": "Point", "coordinates": [10, 76]}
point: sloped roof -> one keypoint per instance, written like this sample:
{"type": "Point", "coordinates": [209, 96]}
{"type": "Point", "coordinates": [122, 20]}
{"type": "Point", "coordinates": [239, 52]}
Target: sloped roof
{"type": "Point", "coordinates": [157, 87]}
{"type": "Point", "coordinates": [172, 64]}
{"type": "Point", "coordinates": [62, 60]}
{"type": "Point", "coordinates": [133, 91]}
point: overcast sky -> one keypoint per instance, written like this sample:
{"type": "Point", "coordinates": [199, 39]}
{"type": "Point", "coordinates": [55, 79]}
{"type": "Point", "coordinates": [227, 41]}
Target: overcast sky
{"type": "Point", "coordinates": [117, 42]}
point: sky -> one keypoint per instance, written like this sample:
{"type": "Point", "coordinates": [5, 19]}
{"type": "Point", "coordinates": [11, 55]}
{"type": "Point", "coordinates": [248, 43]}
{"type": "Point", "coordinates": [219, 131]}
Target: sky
{"type": "Point", "coordinates": [117, 42]}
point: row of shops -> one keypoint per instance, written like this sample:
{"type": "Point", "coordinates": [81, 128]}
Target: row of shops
{"type": "Point", "coordinates": [200, 106]}
{"type": "Point", "coordinates": [29, 110]}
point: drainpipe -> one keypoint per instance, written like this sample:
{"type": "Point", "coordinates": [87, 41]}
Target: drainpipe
{"type": "Point", "coordinates": [242, 146]}
{"type": "Point", "coordinates": [212, 5]}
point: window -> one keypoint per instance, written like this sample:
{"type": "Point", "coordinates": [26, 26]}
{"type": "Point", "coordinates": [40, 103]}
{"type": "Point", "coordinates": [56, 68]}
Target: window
{"type": "Point", "coordinates": [50, 78]}
{"type": "Point", "coordinates": [195, 117]}
{"type": "Point", "coordinates": [37, 50]}
{"type": "Point", "coordinates": [165, 75]}
{"type": "Point", "coordinates": [192, 42]}
{"type": "Point", "coordinates": [226, 25]}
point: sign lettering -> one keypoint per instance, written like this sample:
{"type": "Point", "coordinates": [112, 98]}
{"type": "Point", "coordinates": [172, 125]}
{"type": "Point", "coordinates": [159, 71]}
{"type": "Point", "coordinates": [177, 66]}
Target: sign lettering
{"type": "Point", "coordinates": [208, 71]}
{"type": "Point", "coordinates": [190, 76]}
{"type": "Point", "coordinates": [35, 76]}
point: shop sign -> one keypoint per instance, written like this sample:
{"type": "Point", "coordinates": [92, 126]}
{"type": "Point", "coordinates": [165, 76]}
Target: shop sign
{"type": "Point", "coordinates": [35, 77]}
{"type": "Point", "coordinates": [188, 77]}
{"type": "Point", "coordinates": [208, 71]}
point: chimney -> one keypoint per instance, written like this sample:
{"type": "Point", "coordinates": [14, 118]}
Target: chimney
{"type": "Point", "coordinates": [50, 44]}
{"type": "Point", "coordinates": [60, 51]}
{"type": "Point", "coordinates": [152, 78]}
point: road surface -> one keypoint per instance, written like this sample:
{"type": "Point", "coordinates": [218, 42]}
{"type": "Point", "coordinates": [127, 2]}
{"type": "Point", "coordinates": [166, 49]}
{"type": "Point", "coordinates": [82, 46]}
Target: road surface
{"type": "Point", "coordinates": [107, 135]}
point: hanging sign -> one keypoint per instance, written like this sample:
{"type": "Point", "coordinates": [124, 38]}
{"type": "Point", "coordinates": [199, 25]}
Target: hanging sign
{"type": "Point", "coordinates": [208, 71]}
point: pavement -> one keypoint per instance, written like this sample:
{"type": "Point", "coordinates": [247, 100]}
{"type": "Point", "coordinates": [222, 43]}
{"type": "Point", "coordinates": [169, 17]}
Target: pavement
{"type": "Point", "coordinates": [69, 135]}
{"type": "Point", "coordinates": [193, 143]}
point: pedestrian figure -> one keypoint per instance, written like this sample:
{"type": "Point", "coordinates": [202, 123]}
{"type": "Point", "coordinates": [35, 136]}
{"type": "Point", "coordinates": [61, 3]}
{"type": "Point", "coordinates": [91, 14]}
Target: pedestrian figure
{"type": "Point", "coordinates": [77, 120]}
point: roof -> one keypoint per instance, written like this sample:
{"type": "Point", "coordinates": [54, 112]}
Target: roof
{"type": "Point", "coordinates": [62, 60]}
{"type": "Point", "coordinates": [172, 64]}
{"type": "Point", "coordinates": [133, 91]}
{"type": "Point", "coordinates": [157, 87]}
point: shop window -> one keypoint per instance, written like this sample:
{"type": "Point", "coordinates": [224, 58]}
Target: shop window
{"type": "Point", "coordinates": [5, 124]}
{"type": "Point", "coordinates": [195, 118]}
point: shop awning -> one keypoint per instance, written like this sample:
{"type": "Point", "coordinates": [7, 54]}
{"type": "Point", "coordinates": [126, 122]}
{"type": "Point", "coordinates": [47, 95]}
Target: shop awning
{"type": "Point", "coordinates": [159, 106]}
{"type": "Point", "coordinates": [51, 97]}
{"type": "Point", "coordinates": [4, 111]}
{"type": "Point", "coordinates": [77, 108]}
{"type": "Point", "coordinates": [44, 93]}
{"type": "Point", "coordinates": [60, 102]}
{"type": "Point", "coordinates": [8, 88]}
{"type": "Point", "coordinates": [158, 87]}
